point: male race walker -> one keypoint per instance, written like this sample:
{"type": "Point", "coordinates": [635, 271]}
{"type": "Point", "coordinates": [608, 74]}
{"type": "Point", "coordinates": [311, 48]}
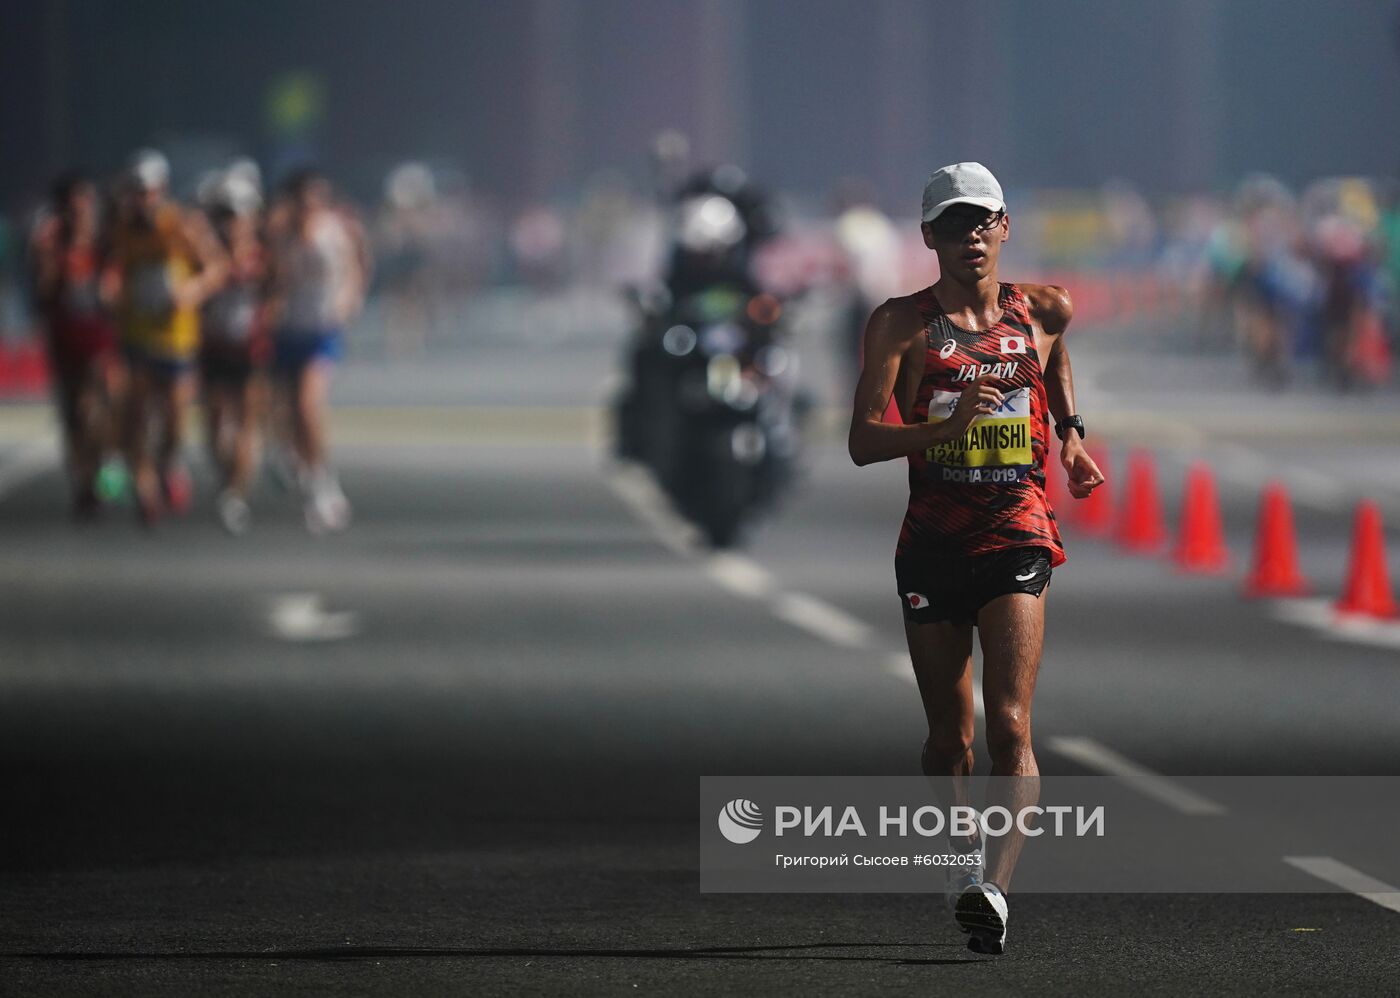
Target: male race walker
{"type": "Point", "coordinates": [977, 368]}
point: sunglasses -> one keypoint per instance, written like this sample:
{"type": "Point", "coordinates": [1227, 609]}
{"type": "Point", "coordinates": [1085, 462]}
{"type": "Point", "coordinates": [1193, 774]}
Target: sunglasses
{"type": "Point", "coordinates": [952, 223]}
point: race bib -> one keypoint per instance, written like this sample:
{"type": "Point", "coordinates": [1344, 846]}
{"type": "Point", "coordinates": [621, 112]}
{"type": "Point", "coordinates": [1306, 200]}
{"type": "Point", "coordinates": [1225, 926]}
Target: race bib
{"type": "Point", "coordinates": [995, 448]}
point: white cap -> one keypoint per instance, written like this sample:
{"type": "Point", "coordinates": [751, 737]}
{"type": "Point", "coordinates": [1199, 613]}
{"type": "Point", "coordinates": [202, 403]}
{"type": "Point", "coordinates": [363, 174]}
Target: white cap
{"type": "Point", "coordinates": [961, 183]}
{"type": "Point", "coordinates": [149, 169]}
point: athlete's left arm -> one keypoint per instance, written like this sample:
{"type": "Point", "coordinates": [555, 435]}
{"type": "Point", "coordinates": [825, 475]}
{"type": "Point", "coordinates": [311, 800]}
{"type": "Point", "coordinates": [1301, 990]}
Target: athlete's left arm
{"type": "Point", "coordinates": [1052, 309]}
{"type": "Point", "coordinates": [210, 257]}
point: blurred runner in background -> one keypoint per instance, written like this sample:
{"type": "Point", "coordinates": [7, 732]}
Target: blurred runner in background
{"type": "Point", "coordinates": [165, 262]}
{"type": "Point", "coordinates": [320, 271]}
{"type": "Point", "coordinates": [234, 346]}
{"type": "Point", "coordinates": [1274, 283]}
{"type": "Point", "coordinates": [66, 257]}
{"type": "Point", "coordinates": [406, 223]}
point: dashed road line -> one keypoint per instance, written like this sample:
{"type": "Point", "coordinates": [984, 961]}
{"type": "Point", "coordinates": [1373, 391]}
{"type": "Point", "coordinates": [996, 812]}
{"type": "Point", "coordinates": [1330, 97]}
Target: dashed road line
{"type": "Point", "coordinates": [639, 493]}
{"type": "Point", "coordinates": [1348, 879]}
{"type": "Point", "coordinates": [741, 576]}
{"type": "Point", "coordinates": [303, 617]}
{"type": "Point", "coordinates": [818, 617]}
{"type": "Point", "coordinates": [1321, 616]}
{"type": "Point", "coordinates": [1092, 755]}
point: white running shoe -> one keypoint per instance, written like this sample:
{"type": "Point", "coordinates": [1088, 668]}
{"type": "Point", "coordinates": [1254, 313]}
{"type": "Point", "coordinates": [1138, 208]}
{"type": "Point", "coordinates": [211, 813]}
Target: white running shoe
{"type": "Point", "coordinates": [982, 914]}
{"type": "Point", "coordinates": [234, 513]}
{"type": "Point", "coordinates": [327, 509]}
{"type": "Point", "coordinates": [964, 875]}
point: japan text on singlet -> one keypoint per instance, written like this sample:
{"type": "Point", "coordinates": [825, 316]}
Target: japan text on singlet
{"type": "Point", "coordinates": [986, 490]}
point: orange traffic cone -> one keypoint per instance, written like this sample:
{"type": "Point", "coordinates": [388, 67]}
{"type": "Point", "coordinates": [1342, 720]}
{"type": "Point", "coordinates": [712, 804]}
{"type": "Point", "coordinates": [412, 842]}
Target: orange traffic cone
{"type": "Point", "coordinates": [1094, 514]}
{"type": "Point", "coordinates": [1201, 546]}
{"type": "Point", "coordinates": [1275, 570]}
{"type": "Point", "coordinates": [1140, 526]}
{"type": "Point", "coordinates": [1368, 354]}
{"type": "Point", "coordinates": [1368, 584]}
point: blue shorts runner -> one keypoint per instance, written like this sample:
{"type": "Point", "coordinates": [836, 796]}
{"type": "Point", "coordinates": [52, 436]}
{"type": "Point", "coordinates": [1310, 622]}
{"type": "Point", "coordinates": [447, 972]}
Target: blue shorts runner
{"type": "Point", "coordinates": [295, 349]}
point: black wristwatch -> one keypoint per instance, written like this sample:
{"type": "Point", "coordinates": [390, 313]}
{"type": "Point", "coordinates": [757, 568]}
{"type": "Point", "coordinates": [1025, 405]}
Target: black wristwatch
{"type": "Point", "coordinates": [1072, 423]}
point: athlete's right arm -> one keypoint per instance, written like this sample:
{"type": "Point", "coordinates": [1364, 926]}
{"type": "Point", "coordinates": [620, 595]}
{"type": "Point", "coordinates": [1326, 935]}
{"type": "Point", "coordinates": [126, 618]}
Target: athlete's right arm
{"type": "Point", "coordinates": [893, 330]}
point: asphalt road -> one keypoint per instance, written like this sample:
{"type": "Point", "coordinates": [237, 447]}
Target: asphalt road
{"type": "Point", "coordinates": [456, 750]}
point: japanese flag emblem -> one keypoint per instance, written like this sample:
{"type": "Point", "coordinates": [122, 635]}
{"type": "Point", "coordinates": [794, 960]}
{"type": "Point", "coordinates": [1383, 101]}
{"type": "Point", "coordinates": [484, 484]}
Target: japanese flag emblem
{"type": "Point", "coordinates": [1013, 344]}
{"type": "Point", "coordinates": [917, 601]}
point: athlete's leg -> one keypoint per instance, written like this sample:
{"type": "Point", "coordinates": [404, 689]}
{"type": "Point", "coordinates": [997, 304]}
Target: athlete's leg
{"type": "Point", "coordinates": [1012, 630]}
{"type": "Point", "coordinates": [942, 657]}
{"type": "Point", "coordinates": [67, 400]}
{"type": "Point", "coordinates": [216, 418]}
{"type": "Point", "coordinates": [86, 436]}
{"type": "Point", "coordinates": [135, 440]}
{"type": "Point", "coordinates": [176, 392]}
{"type": "Point", "coordinates": [326, 507]}
{"type": "Point", "coordinates": [280, 431]}
{"type": "Point", "coordinates": [113, 379]}
{"type": "Point", "coordinates": [308, 413]}
{"type": "Point", "coordinates": [246, 412]}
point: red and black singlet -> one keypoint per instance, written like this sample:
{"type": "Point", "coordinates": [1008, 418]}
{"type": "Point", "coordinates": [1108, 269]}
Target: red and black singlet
{"type": "Point", "coordinates": [986, 491]}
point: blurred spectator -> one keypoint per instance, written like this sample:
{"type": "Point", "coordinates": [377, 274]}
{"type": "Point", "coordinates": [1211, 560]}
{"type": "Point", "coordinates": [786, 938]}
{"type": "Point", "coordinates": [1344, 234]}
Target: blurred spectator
{"type": "Point", "coordinates": [537, 243]}
{"type": "Point", "coordinates": [407, 224]}
{"type": "Point", "coordinates": [870, 246]}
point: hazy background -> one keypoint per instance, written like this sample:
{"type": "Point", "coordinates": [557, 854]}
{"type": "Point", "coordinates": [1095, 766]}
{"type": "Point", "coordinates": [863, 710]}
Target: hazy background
{"type": "Point", "coordinates": [456, 748]}
{"type": "Point", "coordinates": [530, 98]}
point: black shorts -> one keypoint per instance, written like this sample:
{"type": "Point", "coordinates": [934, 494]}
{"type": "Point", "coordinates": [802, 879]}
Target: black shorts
{"type": "Point", "coordinates": [954, 589]}
{"type": "Point", "coordinates": [230, 366]}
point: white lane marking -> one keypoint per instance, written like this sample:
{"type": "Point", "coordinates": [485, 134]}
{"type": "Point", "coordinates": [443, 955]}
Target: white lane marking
{"type": "Point", "coordinates": [1090, 753]}
{"type": "Point", "coordinates": [899, 664]}
{"type": "Point", "coordinates": [1320, 615]}
{"type": "Point", "coordinates": [1239, 461]}
{"type": "Point", "coordinates": [29, 461]}
{"type": "Point", "coordinates": [639, 494]}
{"type": "Point", "coordinates": [1348, 879]}
{"type": "Point", "coordinates": [819, 617]}
{"type": "Point", "coordinates": [303, 617]}
{"type": "Point", "coordinates": [741, 576]}
{"type": "Point", "coordinates": [1249, 468]}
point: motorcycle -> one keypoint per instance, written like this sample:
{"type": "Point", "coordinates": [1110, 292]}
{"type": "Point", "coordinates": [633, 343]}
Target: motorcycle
{"type": "Point", "coordinates": [713, 408]}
